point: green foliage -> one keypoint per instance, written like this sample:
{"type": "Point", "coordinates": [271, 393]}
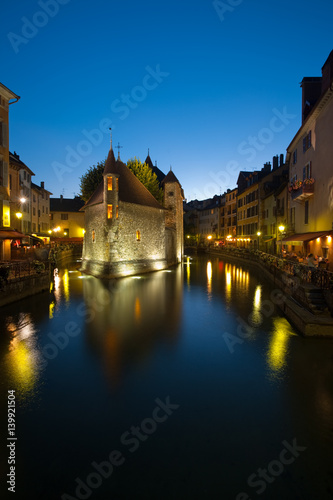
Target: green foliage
{"type": "Point", "coordinates": [94, 176]}
{"type": "Point", "coordinates": [148, 178]}
{"type": "Point", "coordinates": [91, 179]}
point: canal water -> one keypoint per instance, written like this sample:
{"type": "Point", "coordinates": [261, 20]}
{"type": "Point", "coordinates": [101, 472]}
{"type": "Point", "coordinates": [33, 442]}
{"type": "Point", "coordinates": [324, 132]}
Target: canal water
{"type": "Point", "coordinates": [180, 384]}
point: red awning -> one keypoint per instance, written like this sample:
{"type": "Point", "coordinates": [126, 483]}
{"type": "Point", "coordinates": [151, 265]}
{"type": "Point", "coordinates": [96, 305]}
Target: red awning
{"type": "Point", "coordinates": [306, 236]}
{"type": "Point", "coordinates": [10, 235]}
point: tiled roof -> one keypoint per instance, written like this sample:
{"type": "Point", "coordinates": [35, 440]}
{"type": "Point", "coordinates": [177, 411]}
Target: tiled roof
{"type": "Point", "coordinates": [66, 204]}
{"type": "Point", "coordinates": [131, 190]}
{"type": "Point", "coordinates": [170, 177]}
{"type": "Point", "coordinates": [39, 188]}
{"type": "Point", "coordinates": [159, 174]}
{"type": "Point", "coordinates": [14, 159]}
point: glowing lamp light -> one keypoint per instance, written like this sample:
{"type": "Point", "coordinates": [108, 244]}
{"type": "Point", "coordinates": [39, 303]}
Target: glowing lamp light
{"type": "Point", "coordinates": [23, 200]}
{"type": "Point", "coordinates": [329, 239]}
{"type": "Point", "coordinates": [65, 234]}
{"type": "Point", "coordinates": [209, 237]}
{"type": "Point", "coordinates": [258, 233]}
{"type": "Point", "coordinates": [318, 240]}
{"type": "Point", "coordinates": [187, 236]}
{"type": "Point", "coordinates": [18, 215]}
{"type": "Point", "coordinates": [281, 228]}
{"type": "Point", "coordinates": [50, 232]}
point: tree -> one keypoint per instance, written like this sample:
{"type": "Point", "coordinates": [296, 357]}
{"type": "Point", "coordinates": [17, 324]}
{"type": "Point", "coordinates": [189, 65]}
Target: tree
{"type": "Point", "coordinates": [91, 179]}
{"type": "Point", "coordinates": [148, 178]}
{"type": "Point", "coordinates": [94, 176]}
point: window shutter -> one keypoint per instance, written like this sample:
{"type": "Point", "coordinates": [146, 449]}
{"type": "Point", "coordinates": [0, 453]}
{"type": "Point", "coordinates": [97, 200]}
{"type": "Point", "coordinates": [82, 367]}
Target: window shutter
{"type": "Point", "coordinates": [304, 144]}
{"type": "Point", "coordinates": [5, 135]}
{"type": "Point", "coordinates": [304, 173]}
{"type": "Point", "coordinates": [5, 174]}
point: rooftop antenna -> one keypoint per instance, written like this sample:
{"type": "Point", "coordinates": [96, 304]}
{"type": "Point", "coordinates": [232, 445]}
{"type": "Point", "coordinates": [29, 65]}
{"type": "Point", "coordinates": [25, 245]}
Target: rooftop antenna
{"type": "Point", "coordinates": [110, 137]}
{"type": "Point", "coordinates": [119, 148]}
{"type": "Point", "coordinates": [148, 151]}
{"type": "Point", "coordinates": [170, 168]}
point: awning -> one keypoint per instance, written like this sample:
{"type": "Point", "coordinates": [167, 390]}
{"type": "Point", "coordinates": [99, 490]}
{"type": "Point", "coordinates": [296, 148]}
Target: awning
{"type": "Point", "coordinates": [306, 236]}
{"type": "Point", "coordinates": [10, 235]}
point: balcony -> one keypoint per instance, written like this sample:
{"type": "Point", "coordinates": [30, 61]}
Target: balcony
{"type": "Point", "coordinates": [302, 193]}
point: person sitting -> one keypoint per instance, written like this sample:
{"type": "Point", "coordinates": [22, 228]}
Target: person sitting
{"type": "Point", "coordinates": [311, 260]}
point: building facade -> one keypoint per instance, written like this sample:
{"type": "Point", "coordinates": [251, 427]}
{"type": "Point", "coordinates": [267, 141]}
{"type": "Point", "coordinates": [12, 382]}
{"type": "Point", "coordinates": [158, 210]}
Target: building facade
{"type": "Point", "coordinates": [7, 97]}
{"type": "Point", "coordinates": [310, 158]}
{"type": "Point", "coordinates": [66, 219]}
{"type": "Point", "coordinates": [40, 210]}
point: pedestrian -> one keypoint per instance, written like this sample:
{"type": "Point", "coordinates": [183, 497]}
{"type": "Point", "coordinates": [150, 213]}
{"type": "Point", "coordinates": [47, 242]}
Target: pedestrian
{"type": "Point", "coordinates": [311, 260]}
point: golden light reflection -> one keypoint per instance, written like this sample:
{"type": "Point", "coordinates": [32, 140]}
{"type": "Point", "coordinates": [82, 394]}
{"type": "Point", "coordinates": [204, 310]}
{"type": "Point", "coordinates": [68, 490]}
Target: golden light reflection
{"type": "Point", "coordinates": [51, 309]}
{"type": "Point", "coordinates": [66, 285]}
{"type": "Point", "coordinates": [209, 277]}
{"type": "Point", "coordinates": [23, 355]}
{"type": "Point", "coordinates": [278, 347]}
{"type": "Point", "coordinates": [188, 270]}
{"type": "Point", "coordinates": [228, 282]}
{"type": "Point", "coordinates": [256, 316]}
{"type": "Point", "coordinates": [137, 309]}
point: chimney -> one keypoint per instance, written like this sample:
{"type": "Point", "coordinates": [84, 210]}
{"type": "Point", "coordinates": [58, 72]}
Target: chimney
{"type": "Point", "coordinates": [61, 197]}
{"type": "Point", "coordinates": [327, 73]}
{"type": "Point", "coordinates": [42, 185]}
{"type": "Point", "coordinates": [281, 160]}
{"type": "Point", "coordinates": [311, 91]}
{"type": "Point", "coordinates": [275, 162]}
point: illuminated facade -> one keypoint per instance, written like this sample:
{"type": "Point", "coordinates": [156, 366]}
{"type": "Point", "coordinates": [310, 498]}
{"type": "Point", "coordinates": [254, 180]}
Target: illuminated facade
{"type": "Point", "coordinates": [310, 156]}
{"type": "Point", "coordinates": [66, 220]}
{"type": "Point", "coordinates": [127, 230]}
{"type": "Point", "coordinates": [40, 209]}
{"type": "Point", "coordinates": [7, 97]}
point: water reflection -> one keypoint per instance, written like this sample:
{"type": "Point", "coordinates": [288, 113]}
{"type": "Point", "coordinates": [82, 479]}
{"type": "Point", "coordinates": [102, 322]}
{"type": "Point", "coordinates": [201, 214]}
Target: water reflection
{"type": "Point", "coordinates": [236, 279]}
{"type": "Point", "coordinates": [22, 360]}
{"type": "Point", "coordinates": [129, 316]}
{"type": "Point", "coordinates": [256, 316]}
{"type": "Point", "coordinates": [278, 345]}
{"type": "Point", "coordinates": [209, 278]}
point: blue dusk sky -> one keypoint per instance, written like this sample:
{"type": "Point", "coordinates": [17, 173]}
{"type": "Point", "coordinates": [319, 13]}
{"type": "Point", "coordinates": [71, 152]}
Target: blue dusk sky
{"type": "Point", "coordinates": [210, 87]}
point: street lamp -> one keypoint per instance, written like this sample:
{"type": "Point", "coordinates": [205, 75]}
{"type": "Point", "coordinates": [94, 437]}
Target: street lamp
{"type": "Point", "coordinates": [258, 234]}
{"type": "Point", "coordinates": [281, 229]}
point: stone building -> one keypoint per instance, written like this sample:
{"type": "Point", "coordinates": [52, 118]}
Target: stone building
{"type": "Point", "coordinates": [127, 230]}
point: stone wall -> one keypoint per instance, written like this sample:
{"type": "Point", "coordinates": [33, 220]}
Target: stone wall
{"type": "Point", "coordinates": [20, 288]}
{"type": "Point", "coordinates": [173, 202]}
{"type": "Point", "coordinates": [133, 243]}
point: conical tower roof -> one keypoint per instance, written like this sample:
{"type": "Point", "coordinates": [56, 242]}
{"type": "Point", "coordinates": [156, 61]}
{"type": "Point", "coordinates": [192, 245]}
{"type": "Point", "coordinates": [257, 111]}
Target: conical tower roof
{"type": "Point", "coordinates": [130, 189]}
{"type": "Point", "coordinates": [110, 163]}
